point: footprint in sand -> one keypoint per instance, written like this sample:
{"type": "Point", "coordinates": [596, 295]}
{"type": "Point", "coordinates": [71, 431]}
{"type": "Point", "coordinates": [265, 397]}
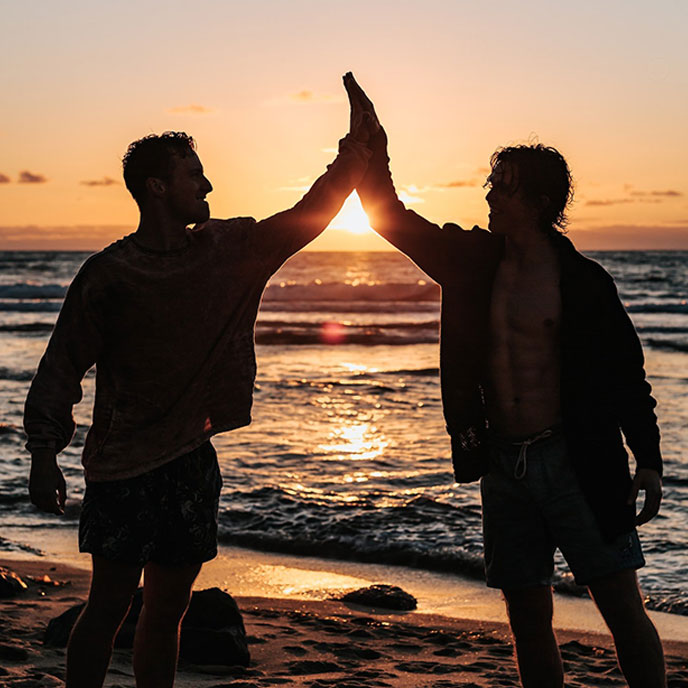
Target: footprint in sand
{"type": "Point", "coordinates": [428, 668]}
{"type": "Point", "coordinates": [295, 650]}
{"type": "Point", "coordinates": [311, 666]}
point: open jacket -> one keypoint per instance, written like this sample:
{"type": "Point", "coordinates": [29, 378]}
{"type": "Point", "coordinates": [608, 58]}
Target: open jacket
{"type": "Point", "coordinates": [603, 387]}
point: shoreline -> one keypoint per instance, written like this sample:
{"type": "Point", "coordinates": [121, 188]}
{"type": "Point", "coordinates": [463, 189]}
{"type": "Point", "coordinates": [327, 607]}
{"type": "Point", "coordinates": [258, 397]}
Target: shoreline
{"type": "Point", "coordinates": [245, 572]}
{"type": "Point", "coordinates": [310, 643]}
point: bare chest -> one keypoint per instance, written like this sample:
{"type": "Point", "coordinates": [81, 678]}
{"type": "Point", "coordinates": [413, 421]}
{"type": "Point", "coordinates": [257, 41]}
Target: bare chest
{"type": "Point", "coordinates": [526, 305]}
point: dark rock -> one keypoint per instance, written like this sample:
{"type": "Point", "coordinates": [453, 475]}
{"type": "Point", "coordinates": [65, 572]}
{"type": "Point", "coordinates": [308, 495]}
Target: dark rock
{"type": "Point", "coordinates": [11, 584]}
{"type": "Point", "coordinates": [381, 595]}
{"type": "Point", "coordinates": [59, 628]}
{"type": "Point", "coordinates": [14, 653]}
{"type": "Point", "coordinates": [212, 631]}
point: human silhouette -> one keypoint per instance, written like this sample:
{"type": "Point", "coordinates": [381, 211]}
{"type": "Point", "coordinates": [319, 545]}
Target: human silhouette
{"type": "Point", "coordinates": [167, 316]}
{"type": "Point", "coordinates": [541, 373]}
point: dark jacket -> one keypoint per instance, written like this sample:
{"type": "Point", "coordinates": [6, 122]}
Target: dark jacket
{"type": "Point", "coordinates": [603, 385]}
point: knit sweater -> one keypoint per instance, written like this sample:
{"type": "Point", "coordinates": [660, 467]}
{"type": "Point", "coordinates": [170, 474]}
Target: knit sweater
{"type": "Point", "coordinates": [171, 334]}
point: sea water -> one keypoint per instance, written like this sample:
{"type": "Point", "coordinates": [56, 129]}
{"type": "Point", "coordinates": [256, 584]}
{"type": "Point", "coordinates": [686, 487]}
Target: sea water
{"type": "Point", "coordinates": [347, 456]}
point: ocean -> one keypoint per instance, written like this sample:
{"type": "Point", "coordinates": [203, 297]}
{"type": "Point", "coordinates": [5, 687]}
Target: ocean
{"type": "Point", "coordinates": [347, 456]}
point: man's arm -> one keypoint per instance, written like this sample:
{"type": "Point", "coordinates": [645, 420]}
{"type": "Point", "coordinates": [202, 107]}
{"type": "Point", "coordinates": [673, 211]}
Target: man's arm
{"type": "Point", "coordinates": [281, 235]}
{"type": "Point", "coordinates": [56, 388]}
{"type": "Point", "coordinates": [425, 242]}
{"type": "Point", "coordinates": [634, 403]}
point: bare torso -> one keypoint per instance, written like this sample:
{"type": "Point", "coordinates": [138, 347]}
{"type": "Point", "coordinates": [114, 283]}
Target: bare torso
{"type": "Point", "coordinates": [523, 393]}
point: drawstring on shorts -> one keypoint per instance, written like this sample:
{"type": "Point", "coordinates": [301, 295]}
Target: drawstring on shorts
{"type": "Point", "coordinates": [521, 463]}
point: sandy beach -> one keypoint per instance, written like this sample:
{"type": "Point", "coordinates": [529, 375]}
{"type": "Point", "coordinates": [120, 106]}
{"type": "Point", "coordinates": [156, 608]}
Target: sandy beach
{"type": "Point", "coordinates": [316, 643]}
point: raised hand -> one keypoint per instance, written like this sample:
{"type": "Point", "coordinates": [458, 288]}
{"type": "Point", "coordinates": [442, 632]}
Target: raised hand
{"type": "Point", "coordinates": [364, 123]}
{"type": "Point", "coordinates": [360, 102]}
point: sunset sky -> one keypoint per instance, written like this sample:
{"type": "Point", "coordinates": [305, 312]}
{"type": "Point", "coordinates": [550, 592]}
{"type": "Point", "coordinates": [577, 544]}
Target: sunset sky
{"type": "Point", "coordinates": [258, 84]}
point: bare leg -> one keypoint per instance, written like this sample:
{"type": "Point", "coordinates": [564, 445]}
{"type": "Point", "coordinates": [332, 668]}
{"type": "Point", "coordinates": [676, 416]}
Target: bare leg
{"type": "Point", "coordinates": [166, 595]}
{"type": "Point", "coordinates": [638, 647]}
{"type": "Point", "coordinates": [90, 646]}
{"type": "Point", "coordinates": [537, 652]}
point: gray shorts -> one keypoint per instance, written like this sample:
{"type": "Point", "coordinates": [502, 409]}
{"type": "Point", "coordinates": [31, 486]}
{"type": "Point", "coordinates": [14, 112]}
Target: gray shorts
{"type": "Point", "coordinates": [526, 518]}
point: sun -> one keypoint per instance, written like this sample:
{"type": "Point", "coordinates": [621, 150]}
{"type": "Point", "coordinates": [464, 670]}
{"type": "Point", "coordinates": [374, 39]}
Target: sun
{"type": "Point", "coordinates": [351, 217]}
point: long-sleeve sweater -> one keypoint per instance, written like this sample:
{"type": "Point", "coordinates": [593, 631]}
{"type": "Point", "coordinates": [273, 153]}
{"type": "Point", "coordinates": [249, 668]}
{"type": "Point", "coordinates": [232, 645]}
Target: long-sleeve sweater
{"type": "Point", "coordinates": [171, 334]}
{"type": "Point", "coordinates": [603, 387]}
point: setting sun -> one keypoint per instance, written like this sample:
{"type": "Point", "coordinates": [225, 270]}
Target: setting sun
{"type": "Point", "coordinates": [351, 217]}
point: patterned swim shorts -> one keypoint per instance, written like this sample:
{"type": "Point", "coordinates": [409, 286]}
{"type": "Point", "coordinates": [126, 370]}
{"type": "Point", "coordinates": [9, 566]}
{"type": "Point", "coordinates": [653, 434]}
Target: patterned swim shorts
{"type": "Point", "coordinates": [167, 516]}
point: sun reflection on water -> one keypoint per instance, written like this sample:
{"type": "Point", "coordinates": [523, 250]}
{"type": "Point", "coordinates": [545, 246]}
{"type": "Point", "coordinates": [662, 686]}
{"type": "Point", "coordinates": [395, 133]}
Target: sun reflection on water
{"type": "Point", "coordinates": [357, 441]}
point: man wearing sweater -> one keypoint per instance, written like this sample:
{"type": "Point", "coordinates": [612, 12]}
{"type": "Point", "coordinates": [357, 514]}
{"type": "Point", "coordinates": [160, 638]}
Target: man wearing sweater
{"type": "Point", "coordinates": [541, 372]}
{"type": "Point", "coordinates": [166, 315]}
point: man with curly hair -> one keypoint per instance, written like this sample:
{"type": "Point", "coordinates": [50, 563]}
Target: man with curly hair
{"type": "Point", "coordinates": [541, 372]}
{"type": "Point", "coordinates": [166, 315]}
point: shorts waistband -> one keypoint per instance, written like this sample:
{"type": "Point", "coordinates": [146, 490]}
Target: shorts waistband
{"type": "Point", "coordinates": [552, 432]}
{"type": "Point", "coordinates": [520, 446]}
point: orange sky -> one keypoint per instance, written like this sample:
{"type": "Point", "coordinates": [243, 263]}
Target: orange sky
{"type": "Point", "coordinates": [259, 86]}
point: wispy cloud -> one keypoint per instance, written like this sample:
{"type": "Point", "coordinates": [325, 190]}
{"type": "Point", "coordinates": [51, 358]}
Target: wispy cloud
{"type": "Point", "coordinates": [105, 181]}
{"type": "Point", "coordinates": [306, 96]}
{"type": "Point", "coordinates": [609, 201]}
{"type": "Point", "coordinates": [4, 179]}
{"type": "Point", "coordinates": [669, 193]}
{"type": "Point", "coordinates": [300, 184]}
{"type": "Point", "coordinates": [26, 177]}
{"type": "Point", "coordinates": [638, 196]}
{"type": "Point", "coordinates": [406, 195]}
{"type": "Point", "coordinates": [457, 184]}
{"type": "Point", "coordinates": [192, 109]}
{"type": "Point", "coordinates": [79, 237]}
{"type": "Point", "coordinates": [630, 237]}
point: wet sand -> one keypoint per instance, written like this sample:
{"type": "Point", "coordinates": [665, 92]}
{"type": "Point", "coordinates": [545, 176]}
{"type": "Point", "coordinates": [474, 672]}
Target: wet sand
{"type": "Point", "coordinates": [312, 643]}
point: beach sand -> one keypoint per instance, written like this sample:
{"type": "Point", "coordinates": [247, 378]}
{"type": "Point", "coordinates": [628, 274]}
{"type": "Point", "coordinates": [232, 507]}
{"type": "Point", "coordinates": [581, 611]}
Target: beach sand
{"type": "Point", "coordinates": [310, 642]}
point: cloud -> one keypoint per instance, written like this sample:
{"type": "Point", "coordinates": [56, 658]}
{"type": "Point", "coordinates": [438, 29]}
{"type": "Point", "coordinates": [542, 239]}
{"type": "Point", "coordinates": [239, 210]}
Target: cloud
{"type": "Point", "coordinates": [669, 193]}
{"type": "Point", "coordinates": [67, 238]}
{"type": "Point", "coordinates": [26, 177]}
{"type": "Point", "coordinates": [630, 237]}
{"type": "Point", "coordinates": [406, 197]}
{"type": "Point", "coordinates": [300, 184]}
{"type": "Point", "coordinates": [294, 188]}
{"type": "Point", "coordinates": [307, 96]}
{"type": "Point", "coordinates": [457, 184]}
{"type": "Point", "coordinates": [441, 186]}
{"type": "Point", "coordinates": [638, 196]}
{"type": "Point", "coordinates": [610, 201]}
{"type": "Point", "coordinates": [4, 179]}
{"type": "Point", "coordinates": [193, 109]}
{"type": "Point", "coordinates": [105, 181]}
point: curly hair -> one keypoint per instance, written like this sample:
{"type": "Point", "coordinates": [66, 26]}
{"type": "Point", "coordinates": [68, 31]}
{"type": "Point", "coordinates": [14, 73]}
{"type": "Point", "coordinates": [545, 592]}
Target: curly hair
{"type": "Point", "coordinates": [542, 171]}
{"type": "Point", "coordinates": [152, 156]}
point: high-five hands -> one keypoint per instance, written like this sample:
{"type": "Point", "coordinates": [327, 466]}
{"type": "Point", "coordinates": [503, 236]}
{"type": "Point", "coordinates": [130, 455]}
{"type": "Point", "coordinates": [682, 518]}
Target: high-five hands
{"type": "Point", "coordinates": [363, 121]}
